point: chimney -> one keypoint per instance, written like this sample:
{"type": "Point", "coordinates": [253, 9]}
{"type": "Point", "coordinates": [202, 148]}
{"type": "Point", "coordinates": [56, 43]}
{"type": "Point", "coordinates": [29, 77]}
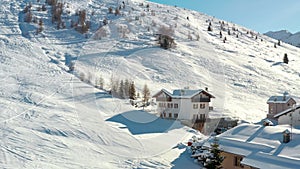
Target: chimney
{"type": "Point", "coordinates": [182, 92]}
{"type": "Point", "coordinates": [206, 89]}
{"type": "Point", "coordinates": [286, 136]}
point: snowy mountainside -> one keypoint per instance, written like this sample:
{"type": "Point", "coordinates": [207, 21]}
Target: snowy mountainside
{"type": "Point", "coordinates": [238, 72]}
{"type": "Point", "coordinates": [51, 119]}
{"type": "Point", "coordinates": [285, 36]}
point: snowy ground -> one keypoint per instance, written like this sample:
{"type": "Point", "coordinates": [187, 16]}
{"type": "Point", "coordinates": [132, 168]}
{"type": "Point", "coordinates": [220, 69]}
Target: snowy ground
{"type": "Point", "coordinates": [51, 119]}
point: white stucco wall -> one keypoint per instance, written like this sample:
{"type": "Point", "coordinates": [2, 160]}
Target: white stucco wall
{"type": "Point", "coordinates": [185, 109]}
{"type": "Point", "coordinates": [286, 119]}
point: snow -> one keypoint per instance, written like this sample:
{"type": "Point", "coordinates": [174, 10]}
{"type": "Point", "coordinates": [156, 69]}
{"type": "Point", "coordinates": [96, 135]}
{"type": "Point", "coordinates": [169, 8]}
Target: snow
{"type": "Point", "coordinates": [285, 36]}
{"type": "Point", "coordinates": [262, 145]}
{"type": "Point", "coordinates": [51, 119]}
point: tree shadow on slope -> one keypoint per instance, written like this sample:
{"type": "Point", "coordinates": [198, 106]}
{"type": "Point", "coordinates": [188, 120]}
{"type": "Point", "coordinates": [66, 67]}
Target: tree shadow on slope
{"type": "Point", "coordinates": [141, 122]}
{"type": "Point", "coordinates": [89, 97]}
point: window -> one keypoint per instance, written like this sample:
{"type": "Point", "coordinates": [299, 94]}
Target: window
{"type": "Point", "coordinates": [195, 106]}
{"type": "Point", "coordinates": [195, 116]}
{"type": "Point", "coordinates": [175, 115]}
{"type": "Point", "coordinates": [237, 161]}
{"type": "Point", "coordinates": [165, 115]}
{"type": "Point", "coordinates": [160, 105]}
{"type": "Point", "coordinates": [170, 105]}
{"type": "Point", "coordinates": [175, 105]}
{"type": "Point", "coordinates": [202, 106]}
{"type": "Point", "coordinates": [202, 116]}
{"type": "Point", "coordinates": [170, 115]}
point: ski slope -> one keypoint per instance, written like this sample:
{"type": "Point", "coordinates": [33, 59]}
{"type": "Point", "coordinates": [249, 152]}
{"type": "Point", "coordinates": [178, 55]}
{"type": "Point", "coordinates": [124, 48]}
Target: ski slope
{"type": "Point", "coordinates": [51, 119]}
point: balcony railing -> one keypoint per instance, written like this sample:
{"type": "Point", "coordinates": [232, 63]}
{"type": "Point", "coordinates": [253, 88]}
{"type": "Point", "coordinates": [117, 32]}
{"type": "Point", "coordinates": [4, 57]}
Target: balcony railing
{"type": "Point", "coordinates": [201, 100]}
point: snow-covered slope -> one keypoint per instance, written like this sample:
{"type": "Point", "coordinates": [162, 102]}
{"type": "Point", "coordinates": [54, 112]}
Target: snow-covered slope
{"type": "Point", "coordinates": [51, 119]}
{"type": "Point", "coordinates": [285, 36]}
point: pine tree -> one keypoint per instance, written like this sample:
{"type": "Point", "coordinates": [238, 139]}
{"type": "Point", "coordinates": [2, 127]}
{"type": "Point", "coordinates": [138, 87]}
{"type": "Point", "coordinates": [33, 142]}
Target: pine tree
{"type": "Point", "coordinates": [209, 28]}
{"type": "Point", "coordinates": [285, 59]}
{"type": "Point", "coordinates": [132, 91]}
{"type": "Point", "coordinates": [215, 160]}
{"type": "Point", "coordinates": [146, 94]}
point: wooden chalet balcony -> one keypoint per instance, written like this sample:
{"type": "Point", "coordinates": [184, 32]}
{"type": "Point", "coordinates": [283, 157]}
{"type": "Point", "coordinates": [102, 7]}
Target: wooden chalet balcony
{"type": "Point", "coordinates": [164, 99]}
{"type": "Point", "coordinates": [201, 100]}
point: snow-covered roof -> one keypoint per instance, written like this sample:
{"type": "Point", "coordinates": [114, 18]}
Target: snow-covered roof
{"type": "Point", "coordinates": [262, 145]}
{"type": "Point", "coordinates": [265, 160]}
{"type": "Point", "coordinates": [286, 111]}
{"type": "Point", "coordinates": [279, 99]}
{"type": "Point", "coordinates": [184, 93]}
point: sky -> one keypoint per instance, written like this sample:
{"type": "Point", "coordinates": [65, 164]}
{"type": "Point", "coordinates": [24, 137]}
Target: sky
{"type": "Point", "coordinates": [259, 15]}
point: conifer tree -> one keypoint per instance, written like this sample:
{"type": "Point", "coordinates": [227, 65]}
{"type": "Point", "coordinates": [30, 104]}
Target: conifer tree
{"type": "Point", "coordinates": [215, 160]}
{"type": "Point", "coordinates": [209, 28]}
{"type": "Point", "coordinates": [132, 91]}
{"type": "Point", "coordinates": [285, 59]}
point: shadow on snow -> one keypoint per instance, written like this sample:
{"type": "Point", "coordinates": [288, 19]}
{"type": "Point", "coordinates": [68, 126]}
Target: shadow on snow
{"type": "Point", "coordinates": [141, 122]}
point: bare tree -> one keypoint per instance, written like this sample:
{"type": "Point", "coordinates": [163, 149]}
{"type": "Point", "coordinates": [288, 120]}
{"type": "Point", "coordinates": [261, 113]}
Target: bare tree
{"type": "Point", "coordinates": [146, 94]}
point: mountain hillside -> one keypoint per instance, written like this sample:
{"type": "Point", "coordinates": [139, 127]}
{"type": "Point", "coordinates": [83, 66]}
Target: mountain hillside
{"type": "Point", "coordinates": [285, 36]}
{"type": "Point", "coordinates": [52, 116]}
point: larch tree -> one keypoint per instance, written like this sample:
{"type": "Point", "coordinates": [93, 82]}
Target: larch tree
{"type": "Point", "coordinates": [126, 88]}
{"type": "Point", "coordinates": [146, 94]}
{"type": "Point", "coordinates": [101, 82]}
{"type": "Point", "coordinates": [121, 90]}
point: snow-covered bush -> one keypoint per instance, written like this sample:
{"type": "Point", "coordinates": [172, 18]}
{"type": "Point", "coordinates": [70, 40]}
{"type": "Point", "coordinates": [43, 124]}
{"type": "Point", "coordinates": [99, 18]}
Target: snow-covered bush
{"type": "Point", "coordinates": [123, 30]}
{"type": "Point", "coordinates": [166, 30]}
{"type": "Point", "coordinates": [101, 33]}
